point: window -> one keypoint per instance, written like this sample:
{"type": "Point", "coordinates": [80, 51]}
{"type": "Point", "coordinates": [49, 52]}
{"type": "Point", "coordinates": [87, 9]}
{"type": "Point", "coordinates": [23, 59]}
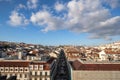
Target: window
{"type": "Point", "coordinates": [40, 78]}
{"type": "Point", "coordinates": [20, 69]}
{"type": "Point", "coordinates": [11, 69]}
{"type": "Point", "coordinates": [20, 75]}
{"type": "Point", "coordinates": [40, 73]}
{"type": "Point", "coordinates": [6, 69]}
{"type": "Point", "coordinates": [26, 69]}
{"type": "Point", "coordinates": [31, 66]}
{"type": "Point", "coordinates": [1, 69]}
{"type": "Point", "coordinates": [41, 67]}
{"type": "Point", "coordinates": [15, 69]}
{"type": "Point", "coordinates": [35, 73]}
{"type": "Point", "coordinates": [36, 67]}
{"type": "Point", "coordinates": [25, 75]}
{"type": "Point", "coordinates": [45, 73]}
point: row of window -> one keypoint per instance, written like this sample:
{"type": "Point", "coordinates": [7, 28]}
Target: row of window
{"type": "Point", "coordinates": [18, 75]}
{"type": "Point", "coordinates": [40, 67]}
{"type": "Point", "coordinates": [40, 79]}
{"type": "Point", "coordinates": [2, 69]}
{"type": "Point", "coordinates": [40, 73]}
{"type": "Point", "coordinates": [36, 67]}
{"type": "Point", "coordinates": [23, 76]}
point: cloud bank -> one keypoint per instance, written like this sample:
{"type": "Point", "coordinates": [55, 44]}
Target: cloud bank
{"type": "Point", "coordinates": [81, 16]}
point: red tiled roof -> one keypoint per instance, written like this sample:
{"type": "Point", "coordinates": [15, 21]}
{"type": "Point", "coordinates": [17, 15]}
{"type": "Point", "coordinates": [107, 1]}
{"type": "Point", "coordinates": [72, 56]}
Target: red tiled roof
{"type": "Point", "coordinates": [72, 50]}
{"type": "Point", "coordinates": [111, 52]}
{"type": "Point", "coordinates": [46, 66]}
{"type": "Point", "coordinates": [77, 65]}
{"type": "Point", "coordinates": [14, 63]}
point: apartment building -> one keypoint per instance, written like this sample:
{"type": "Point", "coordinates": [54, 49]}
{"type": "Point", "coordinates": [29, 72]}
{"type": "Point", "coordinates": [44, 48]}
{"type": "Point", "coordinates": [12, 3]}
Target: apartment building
{"type": "Point", "coordinates": [15, 68]}
{"type": "Point", "coordinates": [25, 70]}
{"type": "Point", "coordinates": [39, 70]}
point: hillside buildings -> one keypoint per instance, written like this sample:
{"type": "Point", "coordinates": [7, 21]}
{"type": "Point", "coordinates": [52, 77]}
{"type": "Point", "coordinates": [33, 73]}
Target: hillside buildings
{"type": "Point", "coordinates": [32, 62]}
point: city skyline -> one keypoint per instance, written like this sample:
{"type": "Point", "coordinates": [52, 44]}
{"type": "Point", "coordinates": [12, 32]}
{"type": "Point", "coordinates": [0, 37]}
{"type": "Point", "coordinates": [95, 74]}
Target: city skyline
{"type": "Point", "coordinates": [61, 22]}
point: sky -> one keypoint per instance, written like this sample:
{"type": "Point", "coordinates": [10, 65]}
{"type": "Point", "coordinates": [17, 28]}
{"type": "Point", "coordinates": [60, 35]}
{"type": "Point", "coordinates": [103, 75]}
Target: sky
{"type": "Point", "coordinates": [60, 22]}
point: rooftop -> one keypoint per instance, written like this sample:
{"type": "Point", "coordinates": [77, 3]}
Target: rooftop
{"type": "Point", "coordinates": [78, 65]}
{"type": "Point", "coordinates": [14, 63]}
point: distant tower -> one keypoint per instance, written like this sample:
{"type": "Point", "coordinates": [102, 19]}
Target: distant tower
{"type": "Point", "coordinates": [60, 69]}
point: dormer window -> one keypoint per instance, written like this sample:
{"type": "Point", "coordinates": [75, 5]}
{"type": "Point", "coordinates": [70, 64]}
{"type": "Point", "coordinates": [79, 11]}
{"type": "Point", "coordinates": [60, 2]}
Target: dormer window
{"type": "Point", "coordinates": [26, 69]}
{"type": "Point", "coordinates": [41, 67]}
{"type": "Point", "coordinates": [6, 69]}
{"type": "Point", "coordinates": [36, 66]}
{"type": "Point", "coordinates": [1, 69]}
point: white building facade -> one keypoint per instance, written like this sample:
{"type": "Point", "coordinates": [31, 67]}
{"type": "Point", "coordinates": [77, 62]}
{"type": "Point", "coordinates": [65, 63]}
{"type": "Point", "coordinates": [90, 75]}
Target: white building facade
{"type": "Point", "coordinates": [25, 70]}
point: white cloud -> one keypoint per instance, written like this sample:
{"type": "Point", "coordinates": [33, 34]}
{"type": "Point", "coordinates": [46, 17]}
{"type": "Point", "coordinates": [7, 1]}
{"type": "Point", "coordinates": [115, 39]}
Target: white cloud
{"type": "Point", "coordinates": [59, 7]}
{"type": "Point", "coordinates": [91, 17]}
{"type": "Point", "coordinates": [17, 19]}
{"type": "Point", "coordinates": [86, 16]}
{"type": "Point", "coordinates": [32, 4]}
{"type": "Point", "coordinates": [111, 21]}
{"type": "Point", "coordinates": [44, 18]}
{"type": "Point", "coordinates": [21, 6]}
{"type": "Point", "coordinates": [107, 28]}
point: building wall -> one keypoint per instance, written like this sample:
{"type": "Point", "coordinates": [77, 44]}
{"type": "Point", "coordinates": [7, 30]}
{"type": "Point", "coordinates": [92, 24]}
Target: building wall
{"type": "Point", "coordinates": [22, 73]}
{"type": "Point", "coordinates": [95, 75]}
{"type": "Point", "coordinates": [25, 70]}
{"type": "Point", "coordinates": [37, 72]}
{"type": "Point", "coordinates": [102, 55]}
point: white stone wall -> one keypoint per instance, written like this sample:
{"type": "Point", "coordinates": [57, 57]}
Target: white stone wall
{"type": "Point", "coordinates": [95, 75]}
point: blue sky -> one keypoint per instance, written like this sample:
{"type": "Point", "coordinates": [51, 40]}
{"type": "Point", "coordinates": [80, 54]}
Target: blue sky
{"type": "Point", "coordinates": [60, 22]}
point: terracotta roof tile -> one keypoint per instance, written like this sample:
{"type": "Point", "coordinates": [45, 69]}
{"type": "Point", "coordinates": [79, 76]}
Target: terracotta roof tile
{"type": "Point", "coordinates": [14, 64]}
